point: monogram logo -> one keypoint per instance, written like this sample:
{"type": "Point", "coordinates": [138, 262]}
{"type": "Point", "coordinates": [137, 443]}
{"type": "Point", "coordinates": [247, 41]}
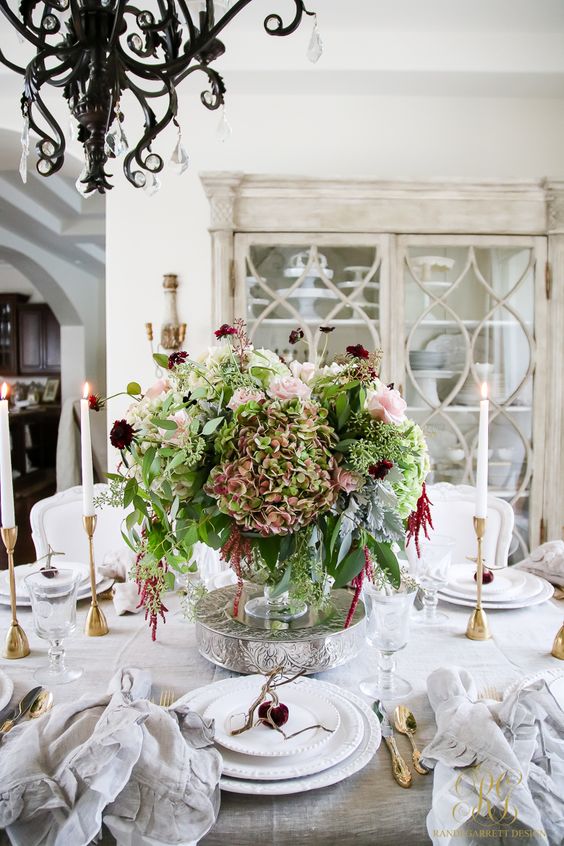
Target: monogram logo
{"type": "Point", "coordinates": [487, 797]}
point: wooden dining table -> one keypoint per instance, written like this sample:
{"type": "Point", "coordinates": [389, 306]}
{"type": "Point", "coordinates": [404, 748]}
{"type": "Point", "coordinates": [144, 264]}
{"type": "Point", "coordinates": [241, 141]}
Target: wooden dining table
{"type": "Point", "coordinates": [366, 809]}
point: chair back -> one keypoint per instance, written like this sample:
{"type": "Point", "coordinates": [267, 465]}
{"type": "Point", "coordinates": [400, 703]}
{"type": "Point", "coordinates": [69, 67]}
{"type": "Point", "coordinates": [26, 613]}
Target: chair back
{"type": "Point", "coordinates": [57, 520]}
{"type": "Point", "coordinates": [452, 511]}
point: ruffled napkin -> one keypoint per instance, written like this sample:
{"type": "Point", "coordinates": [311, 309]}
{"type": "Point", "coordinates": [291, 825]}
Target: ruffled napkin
{"type": "Point", "coordinates": [117, 565]}
{"type": "Point", "coordinates": [499, 766]}
{"type": "Point", "coordinates": [150, 774]}
{"type": "Point", "coordinates": [212, 570]}
{"type": "Point", "coordinates": [547, 561]}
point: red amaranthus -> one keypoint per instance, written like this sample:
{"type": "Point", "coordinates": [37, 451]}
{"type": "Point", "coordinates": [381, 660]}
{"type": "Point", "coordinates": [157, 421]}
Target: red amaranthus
{"type": "Point", "coordinates": [420, 519]}
{"type": "Point", "coordinates": [357, 583]}
{"type": "Point", "coordinates": [235, 549]}
{"type": "Point", "coordinates": [151, 590]}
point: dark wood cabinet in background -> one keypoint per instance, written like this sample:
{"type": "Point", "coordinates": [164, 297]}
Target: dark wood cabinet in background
{"type": "Point", "coordinates": [9, 307]}
{"type": "Point", "coordinates": [39, 340]}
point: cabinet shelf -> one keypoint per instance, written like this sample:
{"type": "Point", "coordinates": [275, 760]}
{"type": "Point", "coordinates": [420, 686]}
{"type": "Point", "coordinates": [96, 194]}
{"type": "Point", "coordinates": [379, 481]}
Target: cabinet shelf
{"type": "Point", "coordinates": [289, 321]}
{"type": "Point", "coordinates": [471, 324]}
{"type": "Point", "coordinates": [463, 409]}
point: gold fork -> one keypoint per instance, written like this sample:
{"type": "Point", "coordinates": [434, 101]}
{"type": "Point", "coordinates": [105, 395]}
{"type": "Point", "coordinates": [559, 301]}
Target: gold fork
{"type": "Point", "coordinates": [166, 698]}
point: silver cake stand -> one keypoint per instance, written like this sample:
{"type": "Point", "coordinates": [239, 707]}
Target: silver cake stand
{"type": "Point", "coordinates": [315, 642]}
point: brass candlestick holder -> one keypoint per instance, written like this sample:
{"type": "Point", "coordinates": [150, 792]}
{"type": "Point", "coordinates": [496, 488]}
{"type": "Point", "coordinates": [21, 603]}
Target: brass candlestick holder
{"type": "Point", "coordinates": [478, 628]}
{"type": "Point", "coordinates": [558, 645]}
{"type": "Point", "coordinates": [96, 624]}
{"type": "Point", "coordinates": [16, 639]}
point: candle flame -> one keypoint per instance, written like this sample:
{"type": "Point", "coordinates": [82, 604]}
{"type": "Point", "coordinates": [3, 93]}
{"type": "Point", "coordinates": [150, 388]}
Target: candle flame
{"type": "Point", "coordinates": [484, 390]}
{"type": "Point", "coordinates": [5, 390]}
{"type": "Point", "coordinates": [86, 392]}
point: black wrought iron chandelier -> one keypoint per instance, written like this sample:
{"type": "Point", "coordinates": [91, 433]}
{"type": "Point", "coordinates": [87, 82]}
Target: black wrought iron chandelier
{"type": "Point", "coordinates": [94, 50]}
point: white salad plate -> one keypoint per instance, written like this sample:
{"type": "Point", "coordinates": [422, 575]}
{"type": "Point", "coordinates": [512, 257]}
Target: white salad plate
{"type": "Point", "coordinates": [306, 707]}
{"type": "Point", "coordinates": [83, 593]}
{"type": "Point", "coordinates": [6, 689]}
{"type": "Point", "coordinates": [342, 743]}
{"type": "Point", "coordinates": [22, 571]}
{"type": "Point", "coordinates": [310, 776]}
{"type": "Point", "coordinates": [506, 584]}
{"type": "Point", "coordinates": [541, 592]}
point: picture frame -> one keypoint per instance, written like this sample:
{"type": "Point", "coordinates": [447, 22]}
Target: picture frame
{"type": "Point", "coordinates": [51, 390]}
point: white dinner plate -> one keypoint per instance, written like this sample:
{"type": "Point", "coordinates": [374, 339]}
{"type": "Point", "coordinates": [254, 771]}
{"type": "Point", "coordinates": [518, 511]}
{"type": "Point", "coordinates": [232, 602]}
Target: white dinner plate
{"type": "Point", "coordinates": [22, 571]}
{"type": "Point", "coordinates": [306, 708]}
{"type": "Point", "coordinates": [340, 745]}
{"type": "Point", "coordinates": [356, 761]}
{"type": "Point", "coordinates": [83, 593]}
{"type": "Point", "coordinates": [546, 590]}
{"type": "Point", "coordinates": [506, 583]}
{"type": "Point", "coordinates": [6, 689]}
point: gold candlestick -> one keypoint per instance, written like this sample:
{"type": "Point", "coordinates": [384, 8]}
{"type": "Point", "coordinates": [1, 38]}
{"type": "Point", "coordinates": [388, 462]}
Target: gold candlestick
{"type": "Point", "coordinates": [558, 645]}
{"type": "Point", "coordinates": [16, 640]}
{"type": "Point", "coordinates": [478, 628]}
{"type": "Point", "coordinates": [96, 624]}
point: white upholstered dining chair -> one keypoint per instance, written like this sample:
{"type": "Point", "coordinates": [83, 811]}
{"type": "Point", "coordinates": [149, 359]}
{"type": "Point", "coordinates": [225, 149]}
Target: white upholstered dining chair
{"type": "Point", "coordinates": [57, 520]}
{"type": "Point", "coordinates": [452, 511]}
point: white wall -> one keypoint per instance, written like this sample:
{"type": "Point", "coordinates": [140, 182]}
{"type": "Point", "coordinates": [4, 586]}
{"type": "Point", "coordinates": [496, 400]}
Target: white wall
{"type": "Point", "coordinates": [387, 137]}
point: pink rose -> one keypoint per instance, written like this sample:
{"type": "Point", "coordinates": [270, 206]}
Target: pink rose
{"type": "Point", "coordinates": [157, 389]}
{"type": "Point", "coordinates": [182, 424]}
{"type": "Point", "coordinates": [303, 370]}
{"type": "Point", "coordinates": [288, 388]}
{"type": "Point", "coordinates": [346, 480]}
{"type": "Point", "coordinates": [244, 395]}
{"type": "Point", "coordinates": [386, 404]}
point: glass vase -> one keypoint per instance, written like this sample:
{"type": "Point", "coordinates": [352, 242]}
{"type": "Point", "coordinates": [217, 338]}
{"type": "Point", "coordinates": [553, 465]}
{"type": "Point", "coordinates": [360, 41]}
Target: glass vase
{"type": "Point", "coordinates": [273, 606]}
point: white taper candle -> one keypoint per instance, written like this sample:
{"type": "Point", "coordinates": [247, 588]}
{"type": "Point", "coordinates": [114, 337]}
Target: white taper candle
{"type": "Point", "coordinates": [482, 458]}
{"type": "Point", "coordinates": [86, 456]}
{"type": "Point", "coordinates": [6, 484]}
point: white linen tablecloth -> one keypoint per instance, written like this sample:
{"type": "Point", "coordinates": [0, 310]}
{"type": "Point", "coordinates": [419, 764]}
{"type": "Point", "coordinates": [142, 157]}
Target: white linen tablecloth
{"type": "Point", "coordinates": [364, 810]}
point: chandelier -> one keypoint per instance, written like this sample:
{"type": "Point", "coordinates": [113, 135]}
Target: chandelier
{"type": "Point", "coordinates": [94, 50]}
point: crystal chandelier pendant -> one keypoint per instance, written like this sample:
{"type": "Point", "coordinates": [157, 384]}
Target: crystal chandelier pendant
{"type": "Point", "coordinates": [224, 128]}
{"type": "Point", "coordinates": [73, 128]}
{"type": "Point", "coordinates": [25, 149]}
{"type": "Point", "coordinates": [315, 46]}
{"type": "Point", "coordinates": [116, 142]}
{"type": "Point", "coordinates": [179, 158]}
{"type": "Point", "coordinates": [81, 186]}
{"type": "Point", "coordinates": [152, 185]}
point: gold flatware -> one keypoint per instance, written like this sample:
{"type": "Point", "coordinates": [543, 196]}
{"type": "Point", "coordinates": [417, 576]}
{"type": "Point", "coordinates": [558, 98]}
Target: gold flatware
{"type": "Point", "coordinates": [166, 698]}
{"type": "Point", "coordinates": [400, 770]}
{"type": "Point", "coordinates": [21, 709]}
{"type": "Point", "coordinates": [406, 723]}
{"type": "Point", "coordinates": [42, 704]}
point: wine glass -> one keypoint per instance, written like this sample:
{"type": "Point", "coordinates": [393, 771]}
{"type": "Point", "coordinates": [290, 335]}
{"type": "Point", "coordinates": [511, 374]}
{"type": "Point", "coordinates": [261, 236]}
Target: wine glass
{"type": "Point", "coordinates": [431, 568]}
{"type": "Point", "coordinates": [53, 603]}
{"type": "Point", "coordinates": [387, 628]}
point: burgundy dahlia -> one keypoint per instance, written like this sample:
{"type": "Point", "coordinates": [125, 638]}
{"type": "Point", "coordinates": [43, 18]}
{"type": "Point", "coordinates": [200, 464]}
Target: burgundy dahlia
{"type": "Point", "coordinates": [176, 358]}
{"type": "Point", "coordinates": [121, 434]}
{"type": "Point", "coordinates": [357, 351]}
{"type": "Point", "coordinates": [224, 331]}
{"type": "Point", "coordinates": [296, 335]}
{"type": "Point", "coordinates": [95, 403]}
{"type": "Point", "coordinates": [270, 713]}
{"type": "Point", "coordinates": [381, 469]}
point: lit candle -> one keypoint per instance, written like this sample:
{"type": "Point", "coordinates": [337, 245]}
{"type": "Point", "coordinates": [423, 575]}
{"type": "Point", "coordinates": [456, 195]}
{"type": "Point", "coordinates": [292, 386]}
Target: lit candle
{"type": "Point", "coordinates": [86, 456]}
{"type": "Point", "coordinates": [482, 459]}
{"type": "Point", "coordinates": [6, 486]}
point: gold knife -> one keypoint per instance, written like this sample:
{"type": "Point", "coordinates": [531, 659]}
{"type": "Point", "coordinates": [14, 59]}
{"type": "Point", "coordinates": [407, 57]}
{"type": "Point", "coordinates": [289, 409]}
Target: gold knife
{"type": "Point", "coordinates": [400, 770]}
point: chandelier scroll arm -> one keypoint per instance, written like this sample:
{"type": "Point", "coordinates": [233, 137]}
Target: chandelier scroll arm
{"type": "Point", "coordinates": [152, 129]}
{"type": "Point", "coordinates": [278, 27]}
{"type": "Point", "coordinates": [5, 61]}
{"type": "Point", "coordinates": [18, 25]}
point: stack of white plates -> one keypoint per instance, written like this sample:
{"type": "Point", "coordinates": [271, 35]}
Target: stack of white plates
{"type": "Point", "coordinates": [260, 761]}
{"type": "Point", "coordinates": [426, 359]}
{"type": "Point", "coordinates": [23, 570]}
{"type": "Point", "coordinates": [510, 588]}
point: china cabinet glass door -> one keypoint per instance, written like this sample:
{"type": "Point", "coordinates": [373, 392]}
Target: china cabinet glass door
{"type": "Point", "coordinates": [473, 311]}
{"type": "Point", "coordinates": [285, 281]}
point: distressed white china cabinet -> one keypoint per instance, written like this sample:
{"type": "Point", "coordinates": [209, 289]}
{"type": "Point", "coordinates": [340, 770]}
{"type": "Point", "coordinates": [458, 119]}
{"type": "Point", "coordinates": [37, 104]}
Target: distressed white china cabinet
{"type": "Point", "coordinates": [458, 282]}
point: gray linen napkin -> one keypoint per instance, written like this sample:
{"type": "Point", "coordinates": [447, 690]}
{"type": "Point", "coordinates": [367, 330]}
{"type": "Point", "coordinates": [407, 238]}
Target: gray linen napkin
{"type": "Point", "coordinates": [151, 774]}
{"type": "Point", "coordinates": [499, 766]}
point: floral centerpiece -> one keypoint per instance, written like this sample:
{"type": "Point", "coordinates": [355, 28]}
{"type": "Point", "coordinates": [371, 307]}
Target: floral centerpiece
{"type": "Point", "coordinates": [304, 475]}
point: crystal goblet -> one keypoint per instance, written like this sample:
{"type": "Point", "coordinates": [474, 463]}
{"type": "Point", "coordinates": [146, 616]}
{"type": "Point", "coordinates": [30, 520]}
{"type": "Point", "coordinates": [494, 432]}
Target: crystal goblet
{"type": "Point", "coordinates": [387, 628]}
{"type": "Point", "coordinates": [431, 569]}
{"type": "Point", "coordinates": [53, 603]}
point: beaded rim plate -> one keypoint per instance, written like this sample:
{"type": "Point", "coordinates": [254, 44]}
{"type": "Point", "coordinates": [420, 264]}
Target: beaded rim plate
{"type": "Point", "coordinates": [306, 706]}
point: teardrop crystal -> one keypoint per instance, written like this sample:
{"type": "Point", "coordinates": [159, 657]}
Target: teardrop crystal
{"type": "Point", "coordinates": [224, 128]}
{"type": "Point", "coordinates": [152, 185]}
{"type": "Point", "coordinates": [25, 149]}
{"type": "Point", "coordinates": [81, 186]}
{"type": "Point", "coordinates": [116, 141]}
{"type": "Point", "coordinates": [315, 46]}
{"type": "Point", "coordinates": [179, 159]}
{"type": "Point", "coordinates": [23, 167]}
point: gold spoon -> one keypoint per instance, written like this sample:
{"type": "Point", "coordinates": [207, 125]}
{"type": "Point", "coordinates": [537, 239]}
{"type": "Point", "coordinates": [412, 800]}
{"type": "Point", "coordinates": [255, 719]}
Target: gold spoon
{"type": "Point", "coordinates": [405, 723]}
{"type": "Point", "coordinates": [42, 704]}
